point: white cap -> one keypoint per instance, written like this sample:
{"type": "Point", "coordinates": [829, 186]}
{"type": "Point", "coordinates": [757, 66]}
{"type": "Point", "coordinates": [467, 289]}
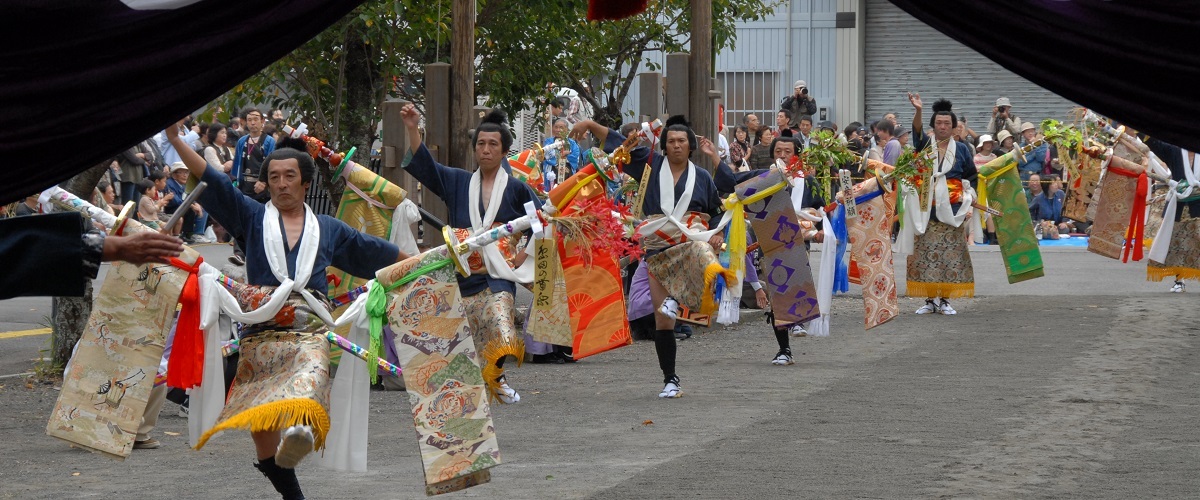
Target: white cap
{"type": "Point", "coordinates": [177, 166]}
{"type": "Point", "coordinates": [986, 138]}
{"type": "Point", "coordinates": [799, 83]}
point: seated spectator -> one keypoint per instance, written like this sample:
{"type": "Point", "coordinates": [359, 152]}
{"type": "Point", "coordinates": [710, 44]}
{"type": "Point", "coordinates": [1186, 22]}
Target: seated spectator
{"type": "Point", "coordinates": [1047, 208]}
{"type": "Point", "coordinates": [983, 153]}
{"type": "Point", "coordinates": [151, 204]}
{"type": "Point", "coordinates": [196, 221]}
{"type": "Point", "coordinates": [1035, 161]}
{"type": "Point", "coordinates": [760, 155]}
{"type": "Point", "coordinates": [1033, 187]}
{"type": "Point", "coordinates": [1004, 142]}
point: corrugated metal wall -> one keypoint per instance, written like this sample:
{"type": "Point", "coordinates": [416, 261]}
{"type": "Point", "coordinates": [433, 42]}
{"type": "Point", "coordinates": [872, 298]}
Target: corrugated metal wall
{"type": "Point", "coordinates": [905, 54]}
{"type": "Point", "coordinates": [756, 73]}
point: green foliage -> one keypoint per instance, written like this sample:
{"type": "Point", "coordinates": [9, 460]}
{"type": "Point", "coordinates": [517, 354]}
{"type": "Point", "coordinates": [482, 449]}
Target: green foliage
{"type": "Point", "coordinates": [913, 167]}
{"type": "Point", "coordinates": [825, 154]}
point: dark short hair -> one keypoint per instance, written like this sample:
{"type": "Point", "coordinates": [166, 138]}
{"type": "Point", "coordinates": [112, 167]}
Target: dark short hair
{"type": "Point", "coordinates": [251, 109]}
{"type": "Point", "coordinates": [807, 118]}
{"type": "Point", "coordinates": [308, 169]}
{"type": "Point", "coordinates": [103, 185]}
{"type": "Point", "coordinates": [746, 118]}
{"type": "Point", "coordinates": [157, 175]}
{"type": "Point", "coordinates": [213, 131]}
{"type": "Point", "coordinates": [786, 112]}
{"type": "Point", "coordinates": [495, 121]}
{"type": "Point", "coordinates": [740, 128]}
{"type": "Point", "coordinates": [758, 134]}
{"type": "Point", "coordinates": [852, 128]}
{"type": "Point", "coordinates": [789, 139]}
{"type": "Point", "coordinates": [145, 184]}
{"type": "Point", "coordinates": [886, 126]}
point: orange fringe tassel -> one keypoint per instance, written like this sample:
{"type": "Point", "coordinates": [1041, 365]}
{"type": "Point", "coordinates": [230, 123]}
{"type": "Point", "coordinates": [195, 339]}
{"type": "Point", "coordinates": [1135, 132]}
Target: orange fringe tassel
{"type": "Point", "coordinates": [277, 416]}
{"type": "Point", "coordinates": [1156, 273]}
{"type": "Point", "coordinates": [943, 290]}
{"type": "Point", "coordinates": [495, 350]}
{"type": "Point", "coordinates": [708, 301]}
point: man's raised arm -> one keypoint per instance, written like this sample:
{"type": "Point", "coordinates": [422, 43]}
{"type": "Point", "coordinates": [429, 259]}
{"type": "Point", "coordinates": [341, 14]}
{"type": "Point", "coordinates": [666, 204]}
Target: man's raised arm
{"type": "Point", "coordinates": [194, 162]}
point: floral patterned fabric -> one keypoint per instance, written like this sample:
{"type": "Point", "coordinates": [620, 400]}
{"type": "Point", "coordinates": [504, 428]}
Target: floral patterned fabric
{"type": "Point", "coordinates": [940, 265]}
{"type": "Point", "coordinates": [680, 270]}
{"type": "Point", "coordinates": [283, 370]}
{"type": "Point", "coordinates": [871, 249]}
{"type": "Point", "coordinates": [1112, 215]}
{"type": "Point", "coordinates": [440, 365]}
{"type": "Point", "coordinates": [107, 384]}
{"type": "Point", "coordinates": [1183, 256]}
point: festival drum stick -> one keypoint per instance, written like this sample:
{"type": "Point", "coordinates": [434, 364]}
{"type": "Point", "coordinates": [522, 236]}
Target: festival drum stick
{"type": "Point", "coordinates": [186, 205]}
{"type": "Point", "coordinates": [341, 343]}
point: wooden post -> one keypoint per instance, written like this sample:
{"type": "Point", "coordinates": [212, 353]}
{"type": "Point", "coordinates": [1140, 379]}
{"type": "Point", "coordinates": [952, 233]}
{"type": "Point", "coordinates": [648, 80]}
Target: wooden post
{"type": "Point", "coordinates": [677, 83]}
{"type": "Point", "coordinates": [700, 73]}
{"type": "Point", "coordinates": [462, 86]}
{"type": "Point", "coordinates": [650, 95]}
{"type": "Point", "coordinates": [437, 104]}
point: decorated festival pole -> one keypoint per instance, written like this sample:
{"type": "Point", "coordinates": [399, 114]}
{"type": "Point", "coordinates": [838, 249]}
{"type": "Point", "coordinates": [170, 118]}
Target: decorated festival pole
{"type": "Point", "coordinates": [342, 343]}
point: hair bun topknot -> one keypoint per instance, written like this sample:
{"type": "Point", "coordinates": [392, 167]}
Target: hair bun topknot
{"type": "Point", "coordinates": [496, 116]}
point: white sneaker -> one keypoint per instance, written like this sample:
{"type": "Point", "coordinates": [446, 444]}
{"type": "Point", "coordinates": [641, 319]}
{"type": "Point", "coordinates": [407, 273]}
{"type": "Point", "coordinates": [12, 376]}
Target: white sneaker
{"type": "Point", "coordinates": [672, 389]}
{"type": "Point", "coordinates": [797, 330]}
{"type": "Point", "coordinates": [928, 308]}
{"type": "Point", "coordinates": [1177, 287]}
{"type": "Point", "coordinates": [946, 309]}
{"type": "Point", "coordinates": [784, 358]}
{"type": "Point", "coordinates": [670, 307]}
{"type": "Point", "coordinates": [506, 394]}
{"type": "Point", "coordinates": [296, 444]}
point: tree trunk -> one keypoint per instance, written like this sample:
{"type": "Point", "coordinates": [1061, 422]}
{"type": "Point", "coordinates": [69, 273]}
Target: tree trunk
{"type": "Point", "coordinates": [69, 315]}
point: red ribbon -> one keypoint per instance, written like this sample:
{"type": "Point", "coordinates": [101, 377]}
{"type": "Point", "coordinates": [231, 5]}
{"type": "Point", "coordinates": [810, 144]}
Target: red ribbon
{"type": "Point", "coordinates": [185, 367]}
{"type": "Point", "coordinates": [1137, 220]}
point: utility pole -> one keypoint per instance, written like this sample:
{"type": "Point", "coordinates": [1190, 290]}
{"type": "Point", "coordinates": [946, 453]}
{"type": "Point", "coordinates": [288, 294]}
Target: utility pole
{"type": "Point", "coordinates": [700, 74]}
{"type": "Point", "coordinates": [462, 82]}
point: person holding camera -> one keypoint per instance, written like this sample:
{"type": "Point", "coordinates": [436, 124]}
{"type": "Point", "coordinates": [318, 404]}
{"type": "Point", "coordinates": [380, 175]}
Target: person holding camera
{"type": "Point", "coordinates": [1004, 119]}
{"type": "Point", "coordinates": [799, 103]}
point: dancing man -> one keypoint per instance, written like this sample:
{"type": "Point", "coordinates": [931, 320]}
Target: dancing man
{"type": "Point", "coordinates": [680, 254]}
{"type": "Point", "coordinates": [283, 377]}
{"type": "Point", "coordinates": [479, 201]}
{"type": "Point", "coordinates": [939, 266]}
{"type": "Point", "coordinates": [782, 148]}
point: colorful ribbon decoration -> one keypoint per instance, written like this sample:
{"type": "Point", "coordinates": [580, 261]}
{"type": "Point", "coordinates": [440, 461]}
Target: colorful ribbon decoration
{"type": "Point", "coordinates": [981, 189]}
{"type": "Point", "coordinates": [376, 309]}
{"type": "Point", "coordinates": [1137, 219]}
{"type": "Point", "coordinates": [841, 270]}
{"type": "Point", "coordinates": [185, 367]}
{"type": "Point", "coordinates": [737, 225]}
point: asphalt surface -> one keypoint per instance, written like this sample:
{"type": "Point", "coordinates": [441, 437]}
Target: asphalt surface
{"type": "Point", "coordinates": [1079, 384]}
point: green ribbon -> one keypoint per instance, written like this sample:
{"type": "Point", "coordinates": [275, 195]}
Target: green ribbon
{"type": "Point", "coordinates": [377, 309]}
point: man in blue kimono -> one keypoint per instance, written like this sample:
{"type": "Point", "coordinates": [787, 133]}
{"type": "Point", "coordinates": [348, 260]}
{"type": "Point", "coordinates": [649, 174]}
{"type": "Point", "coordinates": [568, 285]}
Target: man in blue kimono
{"type": "Point", "coordinates": [478, 201]}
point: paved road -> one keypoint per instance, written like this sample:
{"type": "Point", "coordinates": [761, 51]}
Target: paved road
{"type": "Point", "coordinates": [1076, 385]}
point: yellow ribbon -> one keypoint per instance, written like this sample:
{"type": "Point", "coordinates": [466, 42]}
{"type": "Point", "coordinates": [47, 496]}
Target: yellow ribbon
{"type": "Point", "coordinates": [982, 192]}
{"type": "Point", "coordinates": [575, 190]}
{"type": "Point", "coordinates": [737, 225]}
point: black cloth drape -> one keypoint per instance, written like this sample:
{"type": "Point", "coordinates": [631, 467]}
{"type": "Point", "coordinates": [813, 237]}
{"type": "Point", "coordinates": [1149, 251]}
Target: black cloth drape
{"type": "Point", "coordinates": [1131, 60]}
{"type": "Point", "coordinates": [42, 255]}
{"type": "Point", "coordinates": [82, 80]}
